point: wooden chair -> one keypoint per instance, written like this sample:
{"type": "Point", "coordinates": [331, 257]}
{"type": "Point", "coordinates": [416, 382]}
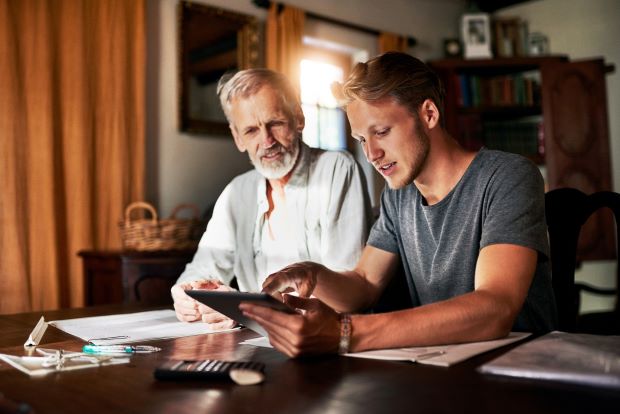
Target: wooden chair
{"type": "Point", "coordinates": [567, 210]}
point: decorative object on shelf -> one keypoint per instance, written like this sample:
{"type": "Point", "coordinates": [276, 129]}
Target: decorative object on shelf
{"type": "Point", "coordinates": [510, 36]}
{"type": "Point", "coordinates": [538, 44]}
{"type": "Point", "coordinates": [167, 234]}
{"type": "Point", "coordinates": [452, 48]}
{"type": "Point", "coordinates": [476, 35]}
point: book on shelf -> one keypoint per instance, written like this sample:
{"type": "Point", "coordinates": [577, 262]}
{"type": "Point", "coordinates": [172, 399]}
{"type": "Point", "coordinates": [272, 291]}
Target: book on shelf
{"type": "Point", "coordinates": [519, 89]}
{"type": "Point", "coordinates": [520, 136]}
{"type": "Point", "coordinates": [470, 132]}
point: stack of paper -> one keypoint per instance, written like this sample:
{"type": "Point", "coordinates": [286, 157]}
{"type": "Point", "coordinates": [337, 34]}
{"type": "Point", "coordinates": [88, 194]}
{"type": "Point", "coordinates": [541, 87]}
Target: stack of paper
{"type": "Point", "coordinates": [442, 355]}
{"type": "Point", "coordinates": [561, 356]}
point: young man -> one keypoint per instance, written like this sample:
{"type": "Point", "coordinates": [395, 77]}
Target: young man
{"type": "Point", "coordinates": [299, 203]}
{"type": "Point", "coordinates": [468, 227]}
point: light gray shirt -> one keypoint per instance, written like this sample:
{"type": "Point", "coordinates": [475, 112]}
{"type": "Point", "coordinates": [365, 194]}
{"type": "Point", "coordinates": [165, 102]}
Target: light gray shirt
{"type": "Point", "coordinates": [329, 204]}
{"type": "Point", "coordinates": [499, 199]}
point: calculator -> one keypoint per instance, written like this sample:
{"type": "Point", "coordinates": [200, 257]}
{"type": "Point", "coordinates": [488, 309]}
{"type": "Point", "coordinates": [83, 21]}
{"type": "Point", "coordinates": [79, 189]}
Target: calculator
{"type": "Point", "coordinates": [241, 372]}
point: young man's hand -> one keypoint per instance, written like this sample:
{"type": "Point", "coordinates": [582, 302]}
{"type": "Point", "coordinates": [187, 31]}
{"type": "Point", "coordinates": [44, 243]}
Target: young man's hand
{"type": "Point", "coordinates": [298, 277]}
{"type": "Point", "coordinates": [314, 331]}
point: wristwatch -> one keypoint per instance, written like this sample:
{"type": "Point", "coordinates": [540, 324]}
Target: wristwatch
{"type": "Point", "coordinates": [345, 333]}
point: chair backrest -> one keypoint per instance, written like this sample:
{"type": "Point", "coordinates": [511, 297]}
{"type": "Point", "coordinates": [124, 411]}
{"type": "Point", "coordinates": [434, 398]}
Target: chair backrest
{"type": "Point", "coordinates": [567, 210]}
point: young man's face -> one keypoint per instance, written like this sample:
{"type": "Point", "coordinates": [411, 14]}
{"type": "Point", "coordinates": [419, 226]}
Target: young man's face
{"type": "Point", "coordinates": [393, 139]}
{"type": "Point", "coordinates": [262, 127]}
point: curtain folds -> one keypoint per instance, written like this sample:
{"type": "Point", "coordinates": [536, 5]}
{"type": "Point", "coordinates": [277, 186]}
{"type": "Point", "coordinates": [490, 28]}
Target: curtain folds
{"type": "Point", "coordinates": [391, 42]}
{"type": "Point", "coordinates": [72, 144]}
{"type": "Point", "coordinates": [284, 32]}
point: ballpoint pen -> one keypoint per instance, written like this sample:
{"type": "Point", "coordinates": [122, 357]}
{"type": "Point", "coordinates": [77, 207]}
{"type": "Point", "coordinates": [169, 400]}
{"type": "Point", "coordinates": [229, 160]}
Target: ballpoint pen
{"type": "Point", "coordinates": [429, 355]}
{"type": "Point", "coordinates": [119, 349]}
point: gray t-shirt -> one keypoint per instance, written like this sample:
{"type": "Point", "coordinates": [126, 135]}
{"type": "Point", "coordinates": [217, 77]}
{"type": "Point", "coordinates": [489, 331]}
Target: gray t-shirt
{"type": "Point", "coordinates": [499, 199]}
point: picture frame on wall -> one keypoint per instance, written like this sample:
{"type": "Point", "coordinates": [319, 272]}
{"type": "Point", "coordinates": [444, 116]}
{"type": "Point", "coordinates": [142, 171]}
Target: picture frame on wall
{"type": "Point", "coordinates": [476, 35]}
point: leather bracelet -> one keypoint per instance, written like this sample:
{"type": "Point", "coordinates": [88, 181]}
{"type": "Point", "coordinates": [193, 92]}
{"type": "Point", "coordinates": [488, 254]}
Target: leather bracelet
{"type": "Point", "coordinates": [345, 333]}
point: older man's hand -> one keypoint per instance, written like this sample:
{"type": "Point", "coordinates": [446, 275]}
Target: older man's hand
{"type": "Point", "coordinates": [189, 310]}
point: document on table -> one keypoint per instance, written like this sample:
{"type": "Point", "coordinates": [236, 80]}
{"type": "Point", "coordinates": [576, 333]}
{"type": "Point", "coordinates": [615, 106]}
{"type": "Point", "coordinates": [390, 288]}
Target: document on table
{"type": "Point", "coordinates": [560, 356]}
{"type": "Point", "coordinates": [441, 355]}
{"type": "Point", "coordinates": [131, 327]}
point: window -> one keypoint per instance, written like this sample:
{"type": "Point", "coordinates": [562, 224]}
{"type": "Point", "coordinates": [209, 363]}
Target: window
{"type": "Point", "coordinates": [325, 121]}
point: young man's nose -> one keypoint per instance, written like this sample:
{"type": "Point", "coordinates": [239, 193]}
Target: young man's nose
{"type": "Point", "coordinates": [373, 151]}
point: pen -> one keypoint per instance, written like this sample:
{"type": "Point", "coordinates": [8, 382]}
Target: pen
{"type": "Point", "coordinates": [429, 355]}
{"type": "Point", "coordinates": [119, 349]}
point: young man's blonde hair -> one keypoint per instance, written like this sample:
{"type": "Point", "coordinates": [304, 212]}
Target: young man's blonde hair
{"type": "Point", "coordinates": [393, 74]}
{"type": "Point", "coordinates": [248, 82]}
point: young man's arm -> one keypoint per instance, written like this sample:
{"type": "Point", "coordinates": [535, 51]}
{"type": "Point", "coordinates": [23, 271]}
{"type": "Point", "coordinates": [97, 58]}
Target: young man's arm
{"type": "Point", "coordinates": [503, 276]}
{"type": "Point", "coordinates": [350, 291]}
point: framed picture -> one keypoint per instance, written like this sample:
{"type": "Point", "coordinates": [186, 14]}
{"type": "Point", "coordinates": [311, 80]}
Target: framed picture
{"type": "Point", "coordinates": [476, 34]}
{"type": "Point", "coordinates": [538, 44]}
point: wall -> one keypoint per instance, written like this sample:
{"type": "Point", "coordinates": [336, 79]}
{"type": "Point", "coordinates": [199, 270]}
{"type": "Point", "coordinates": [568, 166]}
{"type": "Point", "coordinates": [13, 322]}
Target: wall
{"type": "Point", "coordinates": [186, 168]}
{"type": "Point", "coordinates": [584, 29]}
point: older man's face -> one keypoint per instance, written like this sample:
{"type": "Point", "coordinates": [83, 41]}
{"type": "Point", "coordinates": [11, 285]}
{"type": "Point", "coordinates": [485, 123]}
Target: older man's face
{"type": "Point", "coordinates": [262, 127]}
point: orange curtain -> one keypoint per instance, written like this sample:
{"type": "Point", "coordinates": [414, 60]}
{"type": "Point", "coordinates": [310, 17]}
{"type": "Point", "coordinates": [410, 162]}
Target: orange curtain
{"type": "Point", "coordinates": [284, 32]}
{"type": "Point", "coordinates": [72, 76]}
{"type": "Point", "coordinates": [390, 42]}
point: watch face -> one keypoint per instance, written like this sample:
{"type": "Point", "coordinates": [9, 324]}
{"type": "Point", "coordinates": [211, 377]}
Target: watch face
{"type": "Point", "coordinates": [452, 47]}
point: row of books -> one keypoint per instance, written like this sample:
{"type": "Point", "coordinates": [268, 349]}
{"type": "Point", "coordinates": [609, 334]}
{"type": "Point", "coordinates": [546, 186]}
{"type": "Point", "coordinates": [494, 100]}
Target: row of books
{"type": "Point", "coordinates": [523, 136]}
{"type": "Point", "coordinates": [518, 89]}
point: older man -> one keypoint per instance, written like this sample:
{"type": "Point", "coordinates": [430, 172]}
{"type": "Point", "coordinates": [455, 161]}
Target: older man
{"type": "Point", "coordinates": [299, 203]}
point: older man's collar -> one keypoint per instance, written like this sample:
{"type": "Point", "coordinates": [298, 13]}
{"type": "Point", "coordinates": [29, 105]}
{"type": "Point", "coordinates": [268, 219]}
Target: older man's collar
{"type": "Point", "coordinates": [299, 178]}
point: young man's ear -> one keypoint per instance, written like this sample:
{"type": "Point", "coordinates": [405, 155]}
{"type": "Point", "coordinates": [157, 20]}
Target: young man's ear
{"type": "Point", "coordinates": [238, 141]}
{"type": "Point", "coordinates": [429, 114]}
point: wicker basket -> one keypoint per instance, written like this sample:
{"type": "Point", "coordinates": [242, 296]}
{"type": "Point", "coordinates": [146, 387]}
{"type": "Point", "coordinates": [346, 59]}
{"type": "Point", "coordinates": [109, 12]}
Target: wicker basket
{"type": "Point", "coordinates": [153, 234]}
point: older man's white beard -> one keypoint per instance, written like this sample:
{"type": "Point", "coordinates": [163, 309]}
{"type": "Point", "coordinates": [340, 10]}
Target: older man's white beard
{"type": "Point", "coordinates": [277, 169]}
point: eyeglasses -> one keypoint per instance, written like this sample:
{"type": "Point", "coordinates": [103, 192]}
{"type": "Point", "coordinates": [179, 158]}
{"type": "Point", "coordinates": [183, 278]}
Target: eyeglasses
{"type": "Point", "coordinates": [59, 358]}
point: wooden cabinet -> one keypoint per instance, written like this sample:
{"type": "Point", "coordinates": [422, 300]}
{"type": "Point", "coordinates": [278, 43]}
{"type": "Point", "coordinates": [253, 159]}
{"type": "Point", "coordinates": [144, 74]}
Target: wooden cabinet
{"type": "Point", "coordinates": [550, 109]}
{"type": "Point", "coordinates": [132, 276]}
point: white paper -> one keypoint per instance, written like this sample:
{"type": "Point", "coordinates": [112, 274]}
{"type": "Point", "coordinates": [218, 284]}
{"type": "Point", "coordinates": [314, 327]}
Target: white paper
{"type": "Point", "coordinates": [261, 341]}
{"type": "Point", "coordinates": [131, 327]}
{"type": "Point", "coordinates": [566, 357]}
{"type": "Point", "coordinates": [446, 355]}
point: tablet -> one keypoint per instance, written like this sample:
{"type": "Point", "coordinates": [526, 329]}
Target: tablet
{"type": "Point", "coordinates": [227, 303]}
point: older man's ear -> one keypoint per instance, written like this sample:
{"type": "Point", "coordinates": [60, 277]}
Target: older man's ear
{"type": "Point", "coordinates": [300, 121]}
{"type": "Point", "coordinates": [238, 141]}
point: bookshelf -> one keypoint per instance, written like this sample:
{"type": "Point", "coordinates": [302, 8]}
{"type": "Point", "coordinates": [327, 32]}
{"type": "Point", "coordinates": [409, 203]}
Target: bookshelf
{"type": "Point", "coordinates": [496, 103]}
{"type": "Point", "coordinates": [549, 109]}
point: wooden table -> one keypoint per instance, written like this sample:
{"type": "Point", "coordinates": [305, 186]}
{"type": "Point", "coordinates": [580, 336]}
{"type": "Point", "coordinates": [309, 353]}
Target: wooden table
{"type": "Point", "coordinates": [330, 384]}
